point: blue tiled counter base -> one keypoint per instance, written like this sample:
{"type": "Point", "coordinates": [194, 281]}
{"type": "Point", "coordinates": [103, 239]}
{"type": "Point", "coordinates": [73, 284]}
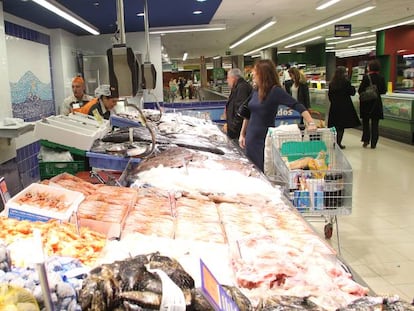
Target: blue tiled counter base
{"type": "Point", "coordinates": [109, 162]}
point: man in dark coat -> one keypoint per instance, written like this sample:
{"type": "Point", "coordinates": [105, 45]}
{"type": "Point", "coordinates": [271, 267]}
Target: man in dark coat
{"type": "Point", "coordinates": [240, 92]}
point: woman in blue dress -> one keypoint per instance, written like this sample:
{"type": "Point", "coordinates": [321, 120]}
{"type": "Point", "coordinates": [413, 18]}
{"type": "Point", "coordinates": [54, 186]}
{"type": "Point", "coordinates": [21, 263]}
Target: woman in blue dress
{"type": "Point", "coordinates": [262, 109]}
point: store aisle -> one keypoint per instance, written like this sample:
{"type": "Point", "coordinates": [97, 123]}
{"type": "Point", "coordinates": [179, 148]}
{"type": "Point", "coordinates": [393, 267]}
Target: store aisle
{"type": "Point", "coordinates": [377, 239]}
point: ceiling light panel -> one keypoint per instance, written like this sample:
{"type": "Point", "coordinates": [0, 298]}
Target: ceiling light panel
{"type": "Point", "coordinates": [324, 4]}
{"type": "Point", "coordinates": [259, 28]}
{"type": "Point", "coordinates": [355, 39]}
{"type": "Point", "coordinates": [362, 44]}
{"type": "Point", "coordinates": [356, 11]}
{"type": "Point", "coordinates": [303, 42]}
{"type": "Point", "coordinates": [63, 12]}
{"type": "Point", "coordinates": [397, 24]}
{"type": "Point", "coordinates": [183, 29]}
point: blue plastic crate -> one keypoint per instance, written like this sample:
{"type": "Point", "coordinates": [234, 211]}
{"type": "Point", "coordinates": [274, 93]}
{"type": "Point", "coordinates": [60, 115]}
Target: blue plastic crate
{"type": "Point", "coordinates": [109, 162]}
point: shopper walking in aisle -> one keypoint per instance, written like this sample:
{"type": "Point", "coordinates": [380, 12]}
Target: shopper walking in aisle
{"type": "Point", "coordinates": [342, 113]}
{"type": "Point", "coordinates": [173, 89]}
{"type": "Point", "coordinates": [299, 88]}
{"type": "Point", "coordinates": [240, 92]}
{"type": "Point", "coordinates": [181, 87]}
{"type": "Point", "coordinates": [75, 101]}
{"type": "Point", "coordinates": [260, 113]}
{"type": "Point", "coordinates": [371, 111]}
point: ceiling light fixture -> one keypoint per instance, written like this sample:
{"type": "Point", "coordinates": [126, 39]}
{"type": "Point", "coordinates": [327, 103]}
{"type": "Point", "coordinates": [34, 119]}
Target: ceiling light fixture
{"type": "Point", "coordinates": [354, 52]}
{"type": "Point", "coordinates": [256, 56]}
{"type": "Point", "coordinates": [141, 14]}
{"type": "Point", "coordinates": [402, 23]}
{"type": "Point", "coordinates": [283, 52]}
{"type": "Point", "coordinates": [354, 39]}
{"type": "Point", "coordinates": [301, 51]}
{"type": "Point", "coordinates": [216, 57]}
{"type": "Point", "coordinates": [259, 28]}
{"type": "Point", "coordinates": [359, 33]}
{"type": "Point", "coordinates": [185, 56]}
{"type": "Point", "coordinates": [303, 42]}
{"type": "Point", "coordinates": [198, 12]}
{"type": "Point", "coordinates": [63, 12]}
{"type": "Point", "coordinates": [333, 38]}
{"type": "Point", "coordinates": [356, 11]}
{"type": "Point", "coordinates": [362, 44]}
{"type": "Point", "coordinates": [324, 4]}
{"type": "Point", "coordinates": [180, 29]}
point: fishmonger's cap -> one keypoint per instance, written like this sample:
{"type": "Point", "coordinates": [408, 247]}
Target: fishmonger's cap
{"type": "Point", "coordinates": [79, 80]}
{"type": "Point", "coordinates": [106, 90]}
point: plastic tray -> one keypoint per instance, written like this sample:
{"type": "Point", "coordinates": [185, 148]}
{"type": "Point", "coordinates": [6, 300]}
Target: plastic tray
{"type": "Point", "coordinates": [74, 131]}
{"type": "Point", "coordinates": [31, 212]}
{"type": "Point", "coordinates": [110, 162]}
{"type": "Point", "coordinates": [298, 149]}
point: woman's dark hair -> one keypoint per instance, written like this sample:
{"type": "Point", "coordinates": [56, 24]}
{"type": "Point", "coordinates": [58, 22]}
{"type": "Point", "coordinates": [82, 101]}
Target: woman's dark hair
{"type": "Point", "coordinates": [339, 77]}
{"type": "Point", "coordinates": [374, 65]}
{"type": "Point", "coordinates": [267, 77]}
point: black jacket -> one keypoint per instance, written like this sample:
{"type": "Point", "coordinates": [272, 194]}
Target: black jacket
{"type": "Point", "coordinates": [372, 109]}
{"type": "Point", "coordinates": [342, 113]}
{"type": "Point", "coordinates": [303, 95]}
{"type": "Point", "coordinates": [238, 95]}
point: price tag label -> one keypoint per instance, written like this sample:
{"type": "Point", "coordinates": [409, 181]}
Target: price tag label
{"type": "Point", "coordinates": [215, 294]}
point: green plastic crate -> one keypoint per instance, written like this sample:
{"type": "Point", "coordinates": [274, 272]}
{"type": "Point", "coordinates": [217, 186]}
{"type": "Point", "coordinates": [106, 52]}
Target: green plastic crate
{"type": "Point", "coordinates": [295, 150]}
{"type": "Point", "coordinates": [51, 169]}
{"type": "Point", "coordinates": [59, 147]}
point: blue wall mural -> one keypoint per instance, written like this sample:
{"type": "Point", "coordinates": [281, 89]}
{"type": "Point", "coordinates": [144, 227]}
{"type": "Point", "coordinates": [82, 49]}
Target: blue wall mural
{"type": "Point", "coordinates": [31, 98]}
{"type": "Point", "coordinates": [30, 73]}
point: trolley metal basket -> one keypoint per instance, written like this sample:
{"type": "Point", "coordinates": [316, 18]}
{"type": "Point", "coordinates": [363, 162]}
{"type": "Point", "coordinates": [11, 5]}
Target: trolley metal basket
{"type": "Point", "coordinates": [323, 186]}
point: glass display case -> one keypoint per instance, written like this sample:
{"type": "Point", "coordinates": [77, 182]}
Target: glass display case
{"type": "Point", "coordinates": [400, 107]}
{"type": "Point", "coordinates": [405, 73]}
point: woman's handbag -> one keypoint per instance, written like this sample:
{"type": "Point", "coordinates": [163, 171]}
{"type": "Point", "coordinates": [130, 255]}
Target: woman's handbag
{"type": "Point", "coordinates": [370, 93]}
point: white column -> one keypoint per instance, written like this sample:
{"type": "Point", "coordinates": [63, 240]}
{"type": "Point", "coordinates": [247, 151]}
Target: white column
{"type": "Point", "coordinates": [5, 97]}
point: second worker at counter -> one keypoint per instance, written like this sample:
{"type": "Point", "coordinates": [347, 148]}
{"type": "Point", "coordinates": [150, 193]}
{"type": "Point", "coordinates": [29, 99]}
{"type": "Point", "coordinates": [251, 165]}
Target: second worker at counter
{"type": "Point", "coordinates": [240, 92]}
{"type": "Point", "coordinates": [106, 97]}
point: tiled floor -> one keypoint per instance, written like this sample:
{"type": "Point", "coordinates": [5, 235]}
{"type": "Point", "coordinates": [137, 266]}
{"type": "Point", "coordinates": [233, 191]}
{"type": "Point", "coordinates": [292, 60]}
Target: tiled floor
{"type": "Point", "coordinates": [377, 239]}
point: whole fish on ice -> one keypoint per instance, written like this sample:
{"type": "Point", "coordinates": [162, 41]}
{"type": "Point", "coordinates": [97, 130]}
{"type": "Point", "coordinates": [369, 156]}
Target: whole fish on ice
{"type": "Point", "coordinates": [182, 140]}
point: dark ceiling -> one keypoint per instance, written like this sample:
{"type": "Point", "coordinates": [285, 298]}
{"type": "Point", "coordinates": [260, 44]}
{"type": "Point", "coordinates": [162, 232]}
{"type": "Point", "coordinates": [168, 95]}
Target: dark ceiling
{"type": "Point", "coordinates": [102, 13]}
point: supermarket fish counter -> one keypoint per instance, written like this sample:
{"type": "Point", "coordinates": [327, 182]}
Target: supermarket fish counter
{"type": "Point", "coordinates": [147, 245]}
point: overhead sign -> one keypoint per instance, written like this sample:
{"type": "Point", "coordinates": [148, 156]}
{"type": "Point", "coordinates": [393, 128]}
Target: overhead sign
{"type": "Point", "coordinates": [343, 30]}
{"type": "Point", "coordinates": [174, 66]}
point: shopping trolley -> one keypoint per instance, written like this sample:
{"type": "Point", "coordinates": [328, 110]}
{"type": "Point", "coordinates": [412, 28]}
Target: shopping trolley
{"type": "Point", "coordinates": [314, 174]}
